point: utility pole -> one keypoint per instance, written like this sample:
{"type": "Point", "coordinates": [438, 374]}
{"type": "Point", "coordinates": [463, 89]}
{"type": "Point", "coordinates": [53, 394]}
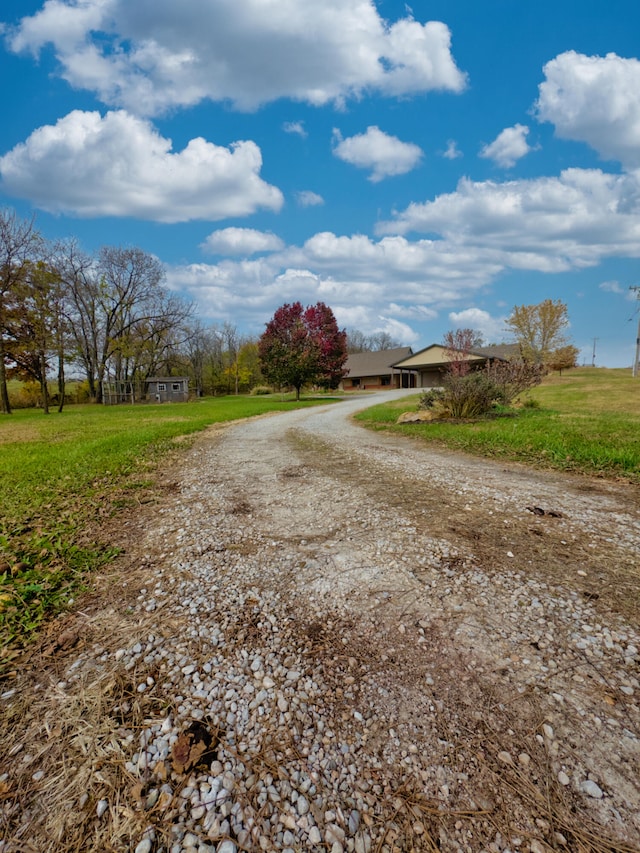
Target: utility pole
{"type": "Point", "coordinates": [636, 358]}
{"type": "Point", "coordinates": [593, 358]}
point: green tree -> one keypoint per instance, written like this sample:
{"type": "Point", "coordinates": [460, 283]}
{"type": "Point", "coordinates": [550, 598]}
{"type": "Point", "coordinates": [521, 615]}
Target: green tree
{"type": "Point", "coordinates": [20, 246]}
{"type": "Point", "coordinates": [34, 327]}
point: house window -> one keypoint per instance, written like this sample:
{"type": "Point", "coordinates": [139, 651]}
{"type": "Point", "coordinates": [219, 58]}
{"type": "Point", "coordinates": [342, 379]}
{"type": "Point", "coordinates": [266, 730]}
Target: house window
{"type": "Point", "coordinates": [175, 386]}
{"type": "Point", "coordinates": [385, 380]}
{"type": "Point", "coordinates": [162, 386]}
{"type": "Point", "coordinates": [355, 383]}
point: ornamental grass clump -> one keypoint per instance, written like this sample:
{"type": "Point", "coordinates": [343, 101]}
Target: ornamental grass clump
{"type": "Point", "coordinates": [469, 396]}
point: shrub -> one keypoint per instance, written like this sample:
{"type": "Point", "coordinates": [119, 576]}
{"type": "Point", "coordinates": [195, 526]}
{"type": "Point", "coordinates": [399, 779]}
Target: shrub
{"type": "Point", "coordinates": [473, 393]}
{"type": "Point", "coordinates": [79, 391]}
{"type": "Point", "coordinates": [469, 396]}
{"type": "Point", "coordinates": [514, 377]}
{"type": "Point", "coordinates": [260, 390]}
{"type": "Point", "coordinates": [430, 398]}
{"type": "Point", "coordinates": [26, 395]}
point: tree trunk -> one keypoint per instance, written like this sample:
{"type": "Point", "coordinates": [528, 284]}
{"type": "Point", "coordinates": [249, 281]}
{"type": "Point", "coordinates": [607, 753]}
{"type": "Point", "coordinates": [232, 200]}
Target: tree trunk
{"type": "Point", "coordinates": [43, 383]}
{"type": "Point", "coordinates": [61, 382]}
{"type": "Point", "coordinates": [5, 405]}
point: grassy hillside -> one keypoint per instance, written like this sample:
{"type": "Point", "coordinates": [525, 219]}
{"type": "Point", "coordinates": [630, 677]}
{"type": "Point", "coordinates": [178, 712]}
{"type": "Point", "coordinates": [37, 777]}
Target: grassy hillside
{"type": "Point", "coordinates": [588, 421]}
{"type": "Point", "coordinates": [61, 474]}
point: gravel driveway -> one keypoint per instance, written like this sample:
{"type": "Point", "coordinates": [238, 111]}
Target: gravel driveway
{"type": "Point", "coordinates": [341, 640]}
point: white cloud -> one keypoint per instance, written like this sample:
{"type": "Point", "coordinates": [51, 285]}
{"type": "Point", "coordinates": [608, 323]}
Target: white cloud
{"type": "Point", "coordinates": [549, 225]}
{"type": "Point", "coordinates": [611, 287]}
{"type": "Point", "coordinates": [152, 55]}
{"type": "Point", "coordinates": [400, 332]}
{"type": "Point", "coordinates": [492, 328]}
{"type": "Point", "coordinates": [361, 278]}
{"type": "Point", "coordinates": [118, 165]}
{"type": "Point", "coordinates": [241, 241]}
{"type": "Point", "coordinates": [508, 147]}
{"type": "Point", "coordinates": [296, 127]}
{"type": "Point", "coordinates": [412, 312]}
{"type": "Point", "coordinates": [385, 155]}
{"type": "Point", "coordinates": [596, 100]}
{"type": "Point", "coordinates": [546, 224]}
{"type": "Point", "coordinates": [452, 151]}
{"type": "Point", "coordinates": [615, 287]}
{"type": "Point", "coordinates": [307, 198]}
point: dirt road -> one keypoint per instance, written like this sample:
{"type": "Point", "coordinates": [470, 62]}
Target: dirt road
{"type": "Point", "coordinates": [386, 647]}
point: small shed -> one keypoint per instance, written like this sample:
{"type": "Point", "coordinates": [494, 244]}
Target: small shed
{"type": "Point", "coordinates": [168, 389]}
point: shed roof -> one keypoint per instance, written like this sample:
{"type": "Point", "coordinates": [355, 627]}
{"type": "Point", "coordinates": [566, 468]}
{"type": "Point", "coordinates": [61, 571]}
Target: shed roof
{"type": "Point", "coordinates": [167, 379]}
{"type": "Point", "coordinates": [378, 363]}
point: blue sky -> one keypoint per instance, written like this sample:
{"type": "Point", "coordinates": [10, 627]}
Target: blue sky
{"type": "Point", "coordinates": [418, 168]}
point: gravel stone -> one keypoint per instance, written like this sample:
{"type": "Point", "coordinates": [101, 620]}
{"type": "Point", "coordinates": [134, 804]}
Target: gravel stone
{"type": "Point", "coordinates": [591, 789]}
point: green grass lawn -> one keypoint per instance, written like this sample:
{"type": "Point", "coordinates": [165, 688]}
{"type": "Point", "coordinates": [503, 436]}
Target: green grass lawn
{"type": "Point", "coordinates": [62, 473]}
{"type": "Point", "coordinates": [588, 422]}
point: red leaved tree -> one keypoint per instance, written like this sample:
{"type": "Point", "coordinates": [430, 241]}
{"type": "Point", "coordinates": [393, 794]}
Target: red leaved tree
{"type": "Point", "coordinates": [303, 345]}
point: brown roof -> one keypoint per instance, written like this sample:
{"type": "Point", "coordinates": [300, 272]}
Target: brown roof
{"type": "Point", "coordinates": [378, 363]}
{"type": "Point", "coordinates": [506, 351]}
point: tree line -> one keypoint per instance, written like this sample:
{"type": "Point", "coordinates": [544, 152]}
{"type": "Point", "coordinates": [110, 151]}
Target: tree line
{"type": "Point", "coordinates": [104, 317]}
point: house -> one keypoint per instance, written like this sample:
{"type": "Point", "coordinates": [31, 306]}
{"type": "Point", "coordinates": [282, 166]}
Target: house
{"type": "Point", "coordinates": [427, 366]}
{"type": "Point", "coordinates": [374, 371]}
{"type": "Point", "coordinates": [167, 389]}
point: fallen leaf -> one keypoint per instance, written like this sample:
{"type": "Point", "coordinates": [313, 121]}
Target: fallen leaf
{"type": "Point", "coordinates": [180, 753]}
{"type": "Point", "coordinates": [66, 640]}
{"type": "Point", "coordinates": [194, 746]}
{"type": "Point", "coordinates": [136, 791]}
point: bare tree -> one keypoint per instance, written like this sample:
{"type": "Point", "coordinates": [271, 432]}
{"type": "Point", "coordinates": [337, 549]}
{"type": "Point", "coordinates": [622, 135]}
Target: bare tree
{"type": "Point", "coordinates": [458, 345]}
{"type": "Point", "coordinates": [357, 341]}
{"type": "Point", "coordinates": [123, 322]}
{"type": "Point", "coordinates": [231, 342]}
{"type": "Point", "coordinates": [76, 270]}
{"type": "Point", "coordinates": [196, 345]}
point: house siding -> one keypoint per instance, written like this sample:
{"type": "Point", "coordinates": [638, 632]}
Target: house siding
{"type": "Point", "coordinates": [372, 371]}
{"type": "Point", "coordinates": [372, 383]}
{"type": "Point", "coordinates": [168, 390]}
